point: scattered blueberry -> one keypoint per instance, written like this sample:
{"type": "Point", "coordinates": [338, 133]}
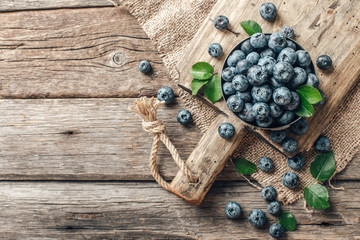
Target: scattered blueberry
{"type": "Point", "coordinates": [144, 66]}
{"type": "Point", "coordinates": [322, 144]}
{"type": "Point", "coordinates": [243, 66]}
{"type": "Point", "coordinates": [275, 110]}
{"type": "Point", "coordinates": [277, 42]}
{"type": "Point", "coordinates": [268, 52]}
{"type": "Point", "coordinates": [288, 32]}
{"type": "Point", "coordinates": [253, 57]}
{"type": "Point", "coordinates": [324, 62]}
{"type": "Point", "coordinates": [278, 136]}
{"type": "Point", "coordinates": [295, 102]}
{"type": "Point", "coordinates": [297, 162]}
{"type": "Point", "coordinates": [261, 110]}
{"type": "Point", "coordinates": [269, 193]}
{"type": "Point", "coordinates": [283, 72]}
{"type": "Point", "coordinates": [261, 93]}
{"type": "Point", "coordinates": [232, 210]}
{"type": "Point", "coordinates": [226, 130]}
{"type": "Point", "coordinates": [291, 44]}
{"type": "Point", "coordinates": [245, 96]}
{"type": "Point", "coordinates": [184, 117]}
{"type": "Point", "coordinates": [289, 145]}
{"type": "Point", "coordinates": [323, 98]}
{"type": "Point", "coordinates": [235, 103]}
{"type": "Point", "coordinates": [246, 47]}
{"type": "Point", "coordinates": [299, 78]}
{"type": "Point", "coordinates": [290, 180]}
{"type": "Point", "coordinates": [247, 113]}
{"type": "Point", "coordinates": [258, 40]}
{"type": "Point", "coordinates": [303, 58]}
{"type": "Point", "coordinates": [300, 127]}
{"type": "Point", "coordinates": [228, 88]}
{"type": "Point", "coordinates": [282, 96]}
{"type": "Point", "coordinates": [265, 123]}
{"type": "Point", "coordinates": [268, 63]}
{"type": "Point", "coordinates": [274, 208]}
{"type": "Point", "coordinates": [221, 22]}
{"type": "Point", "coordinates": [234, 57]}
{"type": "Point", "coordinates": [257, 218]}
{"type": "Point", "coordinates": [286, 117]}
{"type": "Point", "coordinates": [257, 75]}
{"type": "Point", "coordinates": [166, 94]}
{"type": "Point", "coordinates": [287, 55]}
{"type": "Point", "coordinates": [276, 230]}
{"type": "Point", "coordinates": [240, 83]}
{"type": "Point", "coordinates": [215, 50]}
{"type": "Point", "coordinates": [268, 11]}
{"type": "Point", "coordinates": [266, 164]}
{"type": "Point", "coordinates": [312, 80]}
{"type": "Point", "coordinates": [228, 74]}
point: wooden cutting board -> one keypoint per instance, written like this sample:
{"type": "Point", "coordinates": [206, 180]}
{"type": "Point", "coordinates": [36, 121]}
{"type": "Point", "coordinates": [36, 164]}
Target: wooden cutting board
{"type": "Point", "coordinates": [321, 27]}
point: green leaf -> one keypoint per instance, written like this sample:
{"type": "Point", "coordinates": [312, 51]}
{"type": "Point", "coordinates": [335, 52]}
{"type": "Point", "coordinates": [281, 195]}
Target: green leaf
{"type": "Point", "coordinates": [244, 166]}
{"type": "Point", "coordinates": [213, 89]}
{"type": "Point", "coordinates": [288, 221]}
{"type": "Point", "coordinates": [317, 196]}
{"type": "Point", "coordinates": [251, 27]}
{"type": "Point", "coordinates": [305, 109]}
{"type": "Point", "coordinates": [201, 71]}
{"type": "Point", "coordinates": [310, 93]}
{"type": "Point", "coordinates": [196, 84]}
{"type": "Point", "coordinates": [323, 167]}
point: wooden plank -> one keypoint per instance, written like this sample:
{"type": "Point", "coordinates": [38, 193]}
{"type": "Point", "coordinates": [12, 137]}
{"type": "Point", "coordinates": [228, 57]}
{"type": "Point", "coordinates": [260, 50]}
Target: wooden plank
{"type": "Point", "coordinates": [21, 5]}
{"type": "Point", "coordinates": [76, 53]}
{"type": "Point", "coordinates": [321, 27]}
{"type": "Point", "coordinates": [143, 210]}
{"type": "Point", "coordinates": [92, 139]}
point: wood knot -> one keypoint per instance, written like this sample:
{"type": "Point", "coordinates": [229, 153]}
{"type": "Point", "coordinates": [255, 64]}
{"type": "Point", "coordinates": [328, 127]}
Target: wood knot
{"type": "Point", "coordinates": [119, 58]}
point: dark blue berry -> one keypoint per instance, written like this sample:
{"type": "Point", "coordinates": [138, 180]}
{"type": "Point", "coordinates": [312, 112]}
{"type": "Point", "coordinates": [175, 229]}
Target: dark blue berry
{"type": "Point", "coordinates": [228, 88]}
{"type": "Point", "coordinates": [184, 117]}
{"type": "Point", "coordinates": [243, 66]}
{"type": "Point", "coordinates": [275, 84]}
{"type": "Point", "coordinates": [232, 210]}
{"type": "Point", "coordinates": [234, 57]}
{"type": "Point", "coordinates": [295, 102]}
{"type": "Point", "coordinates": [291, 44]}
{"type": "Point", "coordinates": [221, 22]}
{"type": "Point", "coordinates": [298, 79]}
{"type": "Point", "coordinates": [235, 103]}
{"type": "Point", "coordinates": [277, 42]}
{"type": "Point", "coordinates": [283, 72]}
{"type": "Point", "coordinates": [268, 52]}
{"type": "Point", "coordinates": [253, 57]}
{"type": "Point", "coordinates": [144, 66]}
{"type": "Point", "coordinates": [166, 94]}
{"type": "Point", "coordinates": [268, 63]}
{"type": "Point", "coordinates": [300, 127]}
{"type": "Point", "coordinates": [289, 145]}
{"type": "Point", "coordinates": [276, 230]}
{"type": "Point", "coordinates": [265, 123]}
{"type": "Point", "coordinates": [297, 162]}
{"type": "Point", "coordinates": [282, 96]}
{"type": "Point", "coordinates": [257, 218]}
{"type": "Point", "coordinates": [240, 83]}
{"type": "Point", "coordinates": [246, 47]}
{"type": "Point", "coordinates": [226, 130]}
{"type": "Point", "coordinates": [324, 62]}
{"type": "Point", "coordinates": [261, 110]}
{"type": "Point", "coordinates": [274, 208]}
{"type": "Point", "coordinates": [312, 80]}
{"type": "Point", "coordinates": [245, 96]}
{"type": "Point", "coordinates": [278, 136]}
{"type": "Point", "coordinates": [322, 144]}
{"type": "Point", "coordinates": [287, 55]}
{"type": "Point", "coordinates": [215, 50]}
{"type": "Point", "coordinates": [261, 93]}
{"type": "Point", "coordinates": [275, 110]}
{"type": "Point", "coordinates": [290, 180]}
{"type": "Point", "coordinates": [303, 58]}
{"type": "Point", "coordinates": [258, 40]}
{"type": "Point", "coordinates": [266, 164]}
{"type": "Point", "coordinates": [247, 113]}
{"type": "Point", "coordinates": [286, 118]}
{"type": "Point", "coordinates": [257, 75]}
{"type": "Point", "coordinates": [269, 193]}
{"type": "Point", "coordinates": [268, 11]}
{"type": "Point", "coordinates": [288, 32]}
{"type": "Point", "coordinates": [228, 74]}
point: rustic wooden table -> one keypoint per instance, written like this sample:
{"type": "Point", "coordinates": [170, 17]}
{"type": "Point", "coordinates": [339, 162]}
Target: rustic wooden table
{"type": "Point", "coordinates": [74, 159]}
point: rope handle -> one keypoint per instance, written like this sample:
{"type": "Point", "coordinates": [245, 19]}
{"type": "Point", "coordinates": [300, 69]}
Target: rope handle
{"type": "Point", "coordinates": [147, 109]}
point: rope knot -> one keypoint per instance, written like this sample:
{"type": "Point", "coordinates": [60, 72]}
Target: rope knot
{"type": "Point", "coordinates": [155, 127]}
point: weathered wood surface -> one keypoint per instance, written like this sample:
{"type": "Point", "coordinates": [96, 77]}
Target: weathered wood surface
{"type": "Point", "coordinates": [142, 210]}
{"type": "Point", "coordinates": [317, 26]}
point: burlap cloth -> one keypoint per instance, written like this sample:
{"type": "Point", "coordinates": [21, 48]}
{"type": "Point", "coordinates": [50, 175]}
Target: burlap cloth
{"type": "Point", "coordinates": [171, 24]}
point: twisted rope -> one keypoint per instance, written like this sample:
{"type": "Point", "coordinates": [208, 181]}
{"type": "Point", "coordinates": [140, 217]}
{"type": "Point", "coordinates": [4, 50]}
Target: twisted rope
{"type": "Point", "coordinates": [147, 109]}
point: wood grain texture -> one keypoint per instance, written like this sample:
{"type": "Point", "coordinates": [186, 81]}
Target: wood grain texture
{"type": "Point", "coordinates": [76, 53]}
{"type": "Point", "coordinates": [321, 27]}
{"type": "Point", "coordinates": [142, 210]}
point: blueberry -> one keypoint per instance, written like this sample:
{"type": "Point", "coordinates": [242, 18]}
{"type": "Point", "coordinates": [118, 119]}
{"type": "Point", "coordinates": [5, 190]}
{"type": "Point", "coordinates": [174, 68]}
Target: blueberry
{"type": "Point", "coordinates": [266, 164]}
{"type": "Point", "coordinates": [277, 42]}
{"type": "Point", "coordinates": [312, 80]}
{"type": "Point", "coordinates": [283, 72]}
{"type": "Point", "coordinates": [277, 136]}
{"type": "Point", "coordinates": [303, 58]}
{"type": "Point", "coordinates": [274, 208]}
{"type": "Point", "coordinates": [322, 144]}
{"type": "Point", "coordinates": [245, 96]}
{"type": "Point", "coordinates": [221, 22]}
{"type": "Point", "coordinates": [282, 96]}
{"type": "Point", "coordinates": [232, 210]}
{"type": "Point", "coordinates": [257, 75]}
{"type": "Point", "coordinates": [275, 84]}
{"type": "Point", "coordinates": [269, 193]}
{"type": "Point", "coordinates": [265, 123]}
{"type": "Point", "coordinates": [226, 130]}
{"type": "Point", "coordinates": [261, 93]}
{"type": "Point", "coordinates": [215, 50]}
{"type": "Point", "coordinates": [228, 74]}
{"type": "Point", "coordinates": [247, 113]}
{"type": "Point", "coordinates": [298, 79]}
{"type": "Point", "coordinates": [287, 55]}
{"type": "Point", "coordinates": [240, 83]}
{"type": "Point", "coordinates": [184, 117]}
{"type": "Point", "coordinates": [323, 98]}
{"type": "Point", "coordinates": [258, 40]}
{"type": "Point", "coordinates": [246, 47]}
{"type": "Point", "coordinates": [268, 52]}
{"type": "Point", "coordinates": [276, 230]}
{"type": "Point", "coordinates": [286, 118]}
{"type": "Point", "coordinates": [253, 57]}
{"type": "Point", "coordinates": [234, 57]}
{"type": "Point", "coordinates": [261, 110]}
{"type": "Point", "coordinates": [166, 94]}
{"type": "Point", "coordinates": [324, 62]}
{"type": "Point", "coordinates": [257, 218]}
{"type": "Point", "coordinates": [144, 66]}
{"type": "Point", "coordinates": [289, 145]}
{"type": "Point", "coordinates": [308, 70]}
{"type": "Point", "coordinates": [297, 162]}
{"type": "Point", "coordinates": [295, 102]}
{"type": "Point", "coordinates": [228, 88]}
{"type": "Point", "coordinates": [268, 63]}
{"type": "Point", "coordinates": [288, 32]}
{"type": "Point", "coordinates": [235, 103]}
{"type": "Point", "coordinates": [291, 44]}
{"type": "Point", "coordinates": [300, 127]}
{"type": "Point", "coordinates": [268, 11]}
{"type": "Point", "coordinates": [243, 66]}
{"type": "Point", "coordinates": [290, 180]}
